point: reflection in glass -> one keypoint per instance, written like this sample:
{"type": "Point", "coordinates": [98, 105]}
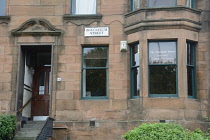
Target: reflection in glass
{"type": "Point", "coordinates": [135, 55]}
{"type": "Point", "coordinates": [191, 66]}
{"type": "Point", "coordinates": [190, 57]}
{"type": "Point", "coordinates": [136, 81]}
{"type": "Point", "coordinates": [95, 71]}
{"type": "Point", "coordinates": [162, 52]}
{"type": "Point", "coordinates": [190, 3]}
{"type": "Point", "coordinates": [42, 83]}
{"type": "Point", "coordinates": [95, 62]}
{"type": "Point", "coordinates": [162, 3]}
{"type": "Point", "coordinates": [95, 83]}
{"type": "Point", "coordinates": [189, 81]}
{"type": "Point", "coordinates": [135, 70]}
{"type": "Point", "coordinates": [134, 5]}
{"type": "Point", "coordinates": [162, 79]}
{"type": "Point", "coordinates": [95, 57]}
{"type": "Point", "coordinates": [93, 53]}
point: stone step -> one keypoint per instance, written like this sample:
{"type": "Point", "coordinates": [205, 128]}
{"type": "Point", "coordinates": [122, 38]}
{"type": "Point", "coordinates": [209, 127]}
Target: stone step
{"type": "Point", "coordinates": [35, 122]}
{"type": "Point", "coordinates": [30, 129]}
{"type": "Point", "coordinates": [33, 125]}
{"type": "Point", "coordinates": [24, 138]}
{"type": "Point", "coordinates": [27, 134]}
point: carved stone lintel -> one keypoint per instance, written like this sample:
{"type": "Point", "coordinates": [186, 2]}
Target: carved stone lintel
{"type": "Point", "coordinates": [4, 19]}
{"type": "Point", "coordinates": [82, 19]}
{"type": "Point", "coordinates": [36, 27]}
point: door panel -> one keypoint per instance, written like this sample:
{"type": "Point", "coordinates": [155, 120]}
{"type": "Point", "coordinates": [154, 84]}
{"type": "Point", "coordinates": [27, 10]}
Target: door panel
{"type": "Point", "coordinates": [41, 96]}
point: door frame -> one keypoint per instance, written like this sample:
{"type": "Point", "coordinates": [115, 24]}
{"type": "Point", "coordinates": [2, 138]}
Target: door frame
{"type": "Point", "coordinates": [20, 76]}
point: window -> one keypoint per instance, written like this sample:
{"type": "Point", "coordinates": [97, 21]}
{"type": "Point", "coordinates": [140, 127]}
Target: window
{"type": "Point", "coordinates": [161, 3]}
{"type": "Point", "coordinates": [162, 69]}
{"type": "Point", "coordinates": [191, 69]}
{"type": "Point", "coordinates": [134, 5]}
{"type": "Point", "coordinates": [2, 7]}
{"type": "Point", "coordinates": [190, 3]}
{"type": "Point", "coordinates": [83, 7]}
{"type": "Point", "coordinates": [135, 71]}
{"type": "Point", "coordinates": [94, 72]}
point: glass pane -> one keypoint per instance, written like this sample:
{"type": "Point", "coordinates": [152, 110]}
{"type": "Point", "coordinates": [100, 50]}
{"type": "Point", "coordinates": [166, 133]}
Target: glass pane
{"type": "Point", "coordinates": [190, 81]}
{"type": "Point", "coordinates": [162, 3]}
{"type": "Point", "coordinates": [2, 7]}
{"type": "Point", "coordinates": [95, 57]}
{"type": "Point", "coordinates": [162, 79]}
{"type": "Point", "coordinates": [95, 83]}
{"type": "Point", "coordinates": [95, 62]}
{"type": "Point", "coordinates": [135, 55]}
{"type": "Point", "coordinates": [93, 53]}
{"type": "Point", "coordinates": [162, 52]}
{"type": "Point", "coordinates": [136, 81]}
{"type": "Point", "coordinates": [80, 7]}
{"type": "Point", "coordinates": [190, 54]}
{"type": "Point", "coordinates": [135, 5]}
{"type": "Point", "coordinates": [190, 3]}
{"type": "Point", "coordinates": [41, 83]}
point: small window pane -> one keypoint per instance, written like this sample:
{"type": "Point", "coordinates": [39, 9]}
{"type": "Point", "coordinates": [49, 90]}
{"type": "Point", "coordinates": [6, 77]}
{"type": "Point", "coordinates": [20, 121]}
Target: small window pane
{"type": "Point", "coordinates": [136, 81]}
{"type": "Point", "coordinates": [162, 79]}
{"type": "Point", "coordinates": [2, 7]}
{"type": "Point", "coordinates": [95, 63]}
{"type": "Point", "coordinates": [190, 53]}
{"type": "Point", "coordinates": [83, 7]}
{"type": "Point", "coordinates": [189, 80]}
{"type": "Point", "coordinates": [42, 83]}
{"type": "Point", "coordinates": [135, 5]}
{"type": "Point", "coordinates": [95, 57]}
{"type": "Point", "coordinates": [162, 52]}
{"type": "Point", "coordinates": [190, 3]}
{"type": "Point", "coordinates": [162, 3]}
{"type": "Point", "coordinates": [135, 55]}
{"type": "Point", "coordinates": [95, 53]}
{"type": "Point", "coordinates": [95, 83]}
{"type": "Point", "coordinates": [191, 69]}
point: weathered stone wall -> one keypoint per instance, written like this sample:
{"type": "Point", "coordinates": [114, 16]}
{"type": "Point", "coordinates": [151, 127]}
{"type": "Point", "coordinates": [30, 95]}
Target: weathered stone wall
{"type": "Point", "coordinates": [118, 114]}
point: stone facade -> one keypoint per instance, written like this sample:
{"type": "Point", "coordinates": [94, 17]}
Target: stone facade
{"type": "Point", "coordinates": [49, 22]}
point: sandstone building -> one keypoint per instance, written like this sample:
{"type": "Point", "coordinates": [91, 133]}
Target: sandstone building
{"type": "Point", "coordinates": [101, 67]}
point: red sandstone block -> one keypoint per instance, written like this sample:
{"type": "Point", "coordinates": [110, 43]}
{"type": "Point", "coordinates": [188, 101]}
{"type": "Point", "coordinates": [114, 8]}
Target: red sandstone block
{"type": "Point", "coordinates": [32, 10]}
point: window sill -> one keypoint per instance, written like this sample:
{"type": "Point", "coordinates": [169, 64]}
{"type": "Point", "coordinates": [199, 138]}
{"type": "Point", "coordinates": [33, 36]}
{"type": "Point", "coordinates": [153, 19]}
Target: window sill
{"type": "Point", "coordinates": [4, 19]}
{"type": "Point", "coordinates": [94, 98]}
{"type": "Point", "coordinates": [163, 95]}
{"type": "Point", "coordinates": [135, 97]}
{"type": "Point", "coordinates": [82, 19]}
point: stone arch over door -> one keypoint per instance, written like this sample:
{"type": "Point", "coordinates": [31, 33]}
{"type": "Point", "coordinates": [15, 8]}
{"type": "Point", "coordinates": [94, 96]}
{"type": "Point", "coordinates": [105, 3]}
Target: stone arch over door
{"type": "Point", "coordinates": [34, 32]}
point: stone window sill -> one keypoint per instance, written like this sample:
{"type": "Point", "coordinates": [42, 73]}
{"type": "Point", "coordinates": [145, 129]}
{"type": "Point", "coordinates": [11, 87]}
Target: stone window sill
{"type": "Point", "coordinates": [82, 19]}
{"type": "Point", "coordinates": [4, 19]}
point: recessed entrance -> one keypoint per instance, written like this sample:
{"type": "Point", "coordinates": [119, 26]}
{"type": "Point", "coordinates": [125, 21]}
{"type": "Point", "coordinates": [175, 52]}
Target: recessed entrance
{"type": "Point", "coordinates": [34, 78]}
